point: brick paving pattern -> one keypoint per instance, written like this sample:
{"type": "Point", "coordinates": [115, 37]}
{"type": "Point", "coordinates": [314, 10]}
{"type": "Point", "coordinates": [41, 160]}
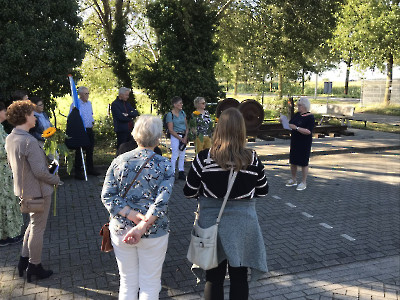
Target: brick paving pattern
{"type": "Point", "coordinates": [338, 239]}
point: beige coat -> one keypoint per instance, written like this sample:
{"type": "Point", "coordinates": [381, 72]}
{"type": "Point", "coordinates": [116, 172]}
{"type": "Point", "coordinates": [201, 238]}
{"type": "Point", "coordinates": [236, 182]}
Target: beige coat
{"type": "Point", "coordinates": [24, 153]}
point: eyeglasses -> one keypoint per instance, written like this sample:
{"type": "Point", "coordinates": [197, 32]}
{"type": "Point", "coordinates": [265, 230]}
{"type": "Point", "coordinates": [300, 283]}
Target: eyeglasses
{"type": "Point", "coordinates": [86, 93]}
{"type": "Point", "coordinates": [40, 104]}
{"type": "Point", "coordinates": [203, 103]}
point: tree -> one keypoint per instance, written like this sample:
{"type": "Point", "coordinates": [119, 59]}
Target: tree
{"type": "Point", "coordinates": [281, 39]}
{"type": "Point", "coordinates": [106, 26]}
{"type": "Point", "coordinates": [39, 46]}
{"type": "Point", "coordinates": [187, 53]}
{"type": "Point", "coordinates": [368, 33]}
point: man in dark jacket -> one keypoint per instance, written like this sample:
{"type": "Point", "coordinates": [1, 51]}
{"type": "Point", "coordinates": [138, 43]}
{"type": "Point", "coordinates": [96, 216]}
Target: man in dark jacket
{"type": "Point", "coordinates": [123, 114]}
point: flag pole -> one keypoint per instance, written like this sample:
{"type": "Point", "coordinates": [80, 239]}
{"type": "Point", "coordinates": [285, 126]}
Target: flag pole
{"type": "Point", "coordinates": [83, 164]}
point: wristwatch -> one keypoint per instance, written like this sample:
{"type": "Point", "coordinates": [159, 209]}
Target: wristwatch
{"type": "Point", "coordinates": [297, 128]}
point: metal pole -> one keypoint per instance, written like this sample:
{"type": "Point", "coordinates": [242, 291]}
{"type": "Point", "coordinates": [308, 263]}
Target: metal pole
{"type": "Point", "coordinates": [83, 163]}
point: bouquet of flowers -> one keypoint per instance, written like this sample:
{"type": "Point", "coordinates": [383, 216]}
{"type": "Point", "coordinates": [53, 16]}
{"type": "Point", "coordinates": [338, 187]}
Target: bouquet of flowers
{"type": "Point", "coordinates": [196, 121]}
{"type": "Point", "coordinates": [54, 147]}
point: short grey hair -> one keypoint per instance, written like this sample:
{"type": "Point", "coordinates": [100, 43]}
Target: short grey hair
{"type": "Point", "coordinates": [82, 89]}
{"type": "Point", "coordinates": [305, 102]}
{"type": "Point", "coordinates": [123, 90]}
{"type": "Point", "coordinates": [147, 131]}
{"type": "Point", "coordinates": [197, 100]}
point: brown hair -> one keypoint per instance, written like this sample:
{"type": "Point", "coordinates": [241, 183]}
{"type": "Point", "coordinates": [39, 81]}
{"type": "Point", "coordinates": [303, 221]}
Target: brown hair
{"type": "Point", "coordinates": [18, 110]}
{"type": "Point", "coordinates": [229, 141]}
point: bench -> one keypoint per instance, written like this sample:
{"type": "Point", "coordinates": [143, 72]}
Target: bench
{"type": "Point", "coordinates": [331, 111]}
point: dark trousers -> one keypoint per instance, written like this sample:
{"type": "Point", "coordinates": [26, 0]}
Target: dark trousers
{"type": "Point", "coordinates": [123, 137]}
{"type": "Point", "coordinates": [89, 153]}
{"type": "Point", "coordinates": [214, 288]}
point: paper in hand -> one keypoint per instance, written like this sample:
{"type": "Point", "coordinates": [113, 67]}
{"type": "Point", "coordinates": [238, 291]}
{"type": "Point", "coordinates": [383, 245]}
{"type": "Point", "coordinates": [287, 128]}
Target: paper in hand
{"type": "Point", "coordinates": [285, 122]}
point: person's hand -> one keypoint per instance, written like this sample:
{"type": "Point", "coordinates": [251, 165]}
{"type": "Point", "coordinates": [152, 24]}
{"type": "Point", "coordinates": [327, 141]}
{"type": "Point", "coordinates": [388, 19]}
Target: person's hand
{"type": "Point", "coordinates": [136, 217]}
{"type": "Point", "coordinates": [135, 234]}
{"type": "Point", "coordinates": [60, 183]}
{"type": "Point", "coordinates": [184, 139]}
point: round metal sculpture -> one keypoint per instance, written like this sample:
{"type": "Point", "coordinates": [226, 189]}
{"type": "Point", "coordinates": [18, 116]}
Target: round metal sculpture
{"type": "Point", "coordinates": [253, 114]}
{"type": "Point", "coordinates": [225, 104]}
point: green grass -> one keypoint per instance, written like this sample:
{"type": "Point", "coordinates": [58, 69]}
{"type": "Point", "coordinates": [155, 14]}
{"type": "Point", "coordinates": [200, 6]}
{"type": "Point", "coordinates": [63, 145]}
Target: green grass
{"type": "Point", "coordinates": [391, 109]}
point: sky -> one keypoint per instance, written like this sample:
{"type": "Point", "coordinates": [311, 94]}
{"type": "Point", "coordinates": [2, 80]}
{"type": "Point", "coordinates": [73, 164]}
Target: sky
{"type": "Point", "coordinates": [339, 74]}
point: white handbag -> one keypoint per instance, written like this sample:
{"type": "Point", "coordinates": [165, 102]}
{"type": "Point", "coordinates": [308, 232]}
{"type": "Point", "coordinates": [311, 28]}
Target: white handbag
{"type": "Point", "coordinates": [203, 244]}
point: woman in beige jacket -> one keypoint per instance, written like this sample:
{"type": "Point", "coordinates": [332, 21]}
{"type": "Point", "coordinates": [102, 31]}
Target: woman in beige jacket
{"type": "Point", "coordinates": [31, 180]}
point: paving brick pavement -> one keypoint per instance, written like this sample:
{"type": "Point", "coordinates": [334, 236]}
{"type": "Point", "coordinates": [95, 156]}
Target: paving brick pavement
{"type": "Point", "coordinates": [338, 239]}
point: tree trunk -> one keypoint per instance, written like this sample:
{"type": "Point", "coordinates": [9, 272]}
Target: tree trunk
{"type": "Point", "coordinates": [346, 83]}
{"type": "Point", "coordinates": [302, 82]}
{"type": "Point", "coordinates": [280, 83]}
{"type": "Point", "coordinates": [389, 78]}
{"type": "Point", "coordinates": [235, 90]}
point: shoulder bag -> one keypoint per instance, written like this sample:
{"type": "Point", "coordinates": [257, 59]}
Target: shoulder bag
{"type": "Point", "coordinates": [106, 245]}
{"type": "Point", "coordinates": [203, 244]}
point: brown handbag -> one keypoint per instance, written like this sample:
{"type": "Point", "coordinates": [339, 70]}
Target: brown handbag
{"type": "Point", "coordinates": [35, 205]}
{"type": "Point", "coordinates": [106, 245]}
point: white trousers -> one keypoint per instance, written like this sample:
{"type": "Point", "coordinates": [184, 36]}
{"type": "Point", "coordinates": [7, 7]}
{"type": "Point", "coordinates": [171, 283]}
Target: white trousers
{"type": "Point", "coordinates": [176, 153]}
{"type": "Point", "coordinates": [140, 266]}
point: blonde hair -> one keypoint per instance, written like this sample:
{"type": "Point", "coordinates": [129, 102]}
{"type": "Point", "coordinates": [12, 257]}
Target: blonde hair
{"type": "Point", "coordinates": [147, 131]}
{"type": "Point", "coordinates": [229, 141]}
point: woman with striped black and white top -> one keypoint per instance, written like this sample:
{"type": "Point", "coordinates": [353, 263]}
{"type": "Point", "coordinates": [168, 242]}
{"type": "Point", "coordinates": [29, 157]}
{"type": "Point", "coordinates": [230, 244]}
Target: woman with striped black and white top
{"type": "Point", "coordinates": [240, 241]}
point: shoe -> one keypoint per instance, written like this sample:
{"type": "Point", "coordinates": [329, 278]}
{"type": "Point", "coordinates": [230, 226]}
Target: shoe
{"type": "Point", "coordinates": [301, 186]}
{"type": "Point", "coordinates": [181, 175]}
{"type": "Point", "coordinates": [4, 242]}
{"type": "Point", "coordinates": [22, 265]}
{"type": "Point", "coordinates": [38, 271]}
{"type": "Point", "coordinates": [291, 182]}
{"type": "Point", "coordinates": [93, 172]}
{"type": "Point", "coordinates": [80, 176]}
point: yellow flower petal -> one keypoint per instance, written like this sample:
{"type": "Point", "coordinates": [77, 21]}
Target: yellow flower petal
{"type": "Point", "coordinates": [49, 132]}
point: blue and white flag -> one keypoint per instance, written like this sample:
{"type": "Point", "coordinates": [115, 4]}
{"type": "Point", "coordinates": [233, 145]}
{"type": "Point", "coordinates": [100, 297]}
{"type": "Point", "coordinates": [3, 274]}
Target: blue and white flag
{"type": "Point", "coordinates": [74, 92]}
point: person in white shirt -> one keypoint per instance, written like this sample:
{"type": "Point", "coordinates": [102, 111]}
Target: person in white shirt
{"type": "Point", "coordinates": [86, 113]}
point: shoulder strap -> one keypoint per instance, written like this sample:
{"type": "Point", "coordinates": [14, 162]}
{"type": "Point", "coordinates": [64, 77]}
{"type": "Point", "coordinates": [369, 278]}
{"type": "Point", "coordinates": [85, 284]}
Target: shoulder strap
{"type": "Point", "coordinates": [231, 180]}
{"type": "Point", "coordinates": [137, 174]}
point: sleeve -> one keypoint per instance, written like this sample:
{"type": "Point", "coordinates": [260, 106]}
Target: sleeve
{"type": "Point", "coordinates": [110, 197]}
{"type": "Point", "coordinates": [116, 109]}
{"type": "Point", "coordinates": [168, 118]}
{"type": "Point", "coordinates": [193, 180]}
{"type": "Point", "coordinates": [160, 206]}
{"type": "Point", "coordinates": [37, 161]}
{"type": "Point", "coordinates": [3, 153]}
{"type": "Point", "coordinates": [262, 182]}
{"type": "Point", "coordinates": [133, 113]}
{"type": "Point", "coordinates": [310, 123]}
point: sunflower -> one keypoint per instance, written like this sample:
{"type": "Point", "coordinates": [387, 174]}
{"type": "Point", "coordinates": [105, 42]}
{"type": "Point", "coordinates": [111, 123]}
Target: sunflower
{"type": "Point", "coordinates": [196, 113]}
{"type": "Point", "coordinates": [49, 132]}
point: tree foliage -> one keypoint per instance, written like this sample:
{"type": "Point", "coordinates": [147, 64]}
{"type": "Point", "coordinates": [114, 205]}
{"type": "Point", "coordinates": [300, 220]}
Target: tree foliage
{"type": "Point", "coordinates": [187, 53]}
{"type": "Point", "coordinates": [368, 33]}
{"type": "Point", "coordinates": [274, 37]}
{"type": "Point", "coordinates": [39, 46]}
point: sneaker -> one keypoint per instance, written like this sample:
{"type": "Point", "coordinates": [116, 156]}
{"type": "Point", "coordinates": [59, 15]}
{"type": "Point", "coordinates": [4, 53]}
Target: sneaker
{"type": "Point", "coordinates": [291, 182]}
{"type": "Point", "coordinates": [301, 187]}
{"type": "Point", "coordinates": [181, 175]}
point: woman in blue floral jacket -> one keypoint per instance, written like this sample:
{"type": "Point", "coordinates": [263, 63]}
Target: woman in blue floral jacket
{"type": "Point", "coordinates": [139, 222]}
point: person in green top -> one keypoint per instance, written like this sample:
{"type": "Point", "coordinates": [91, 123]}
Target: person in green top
{"type": "Point", "coordinates": [10, 214]}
